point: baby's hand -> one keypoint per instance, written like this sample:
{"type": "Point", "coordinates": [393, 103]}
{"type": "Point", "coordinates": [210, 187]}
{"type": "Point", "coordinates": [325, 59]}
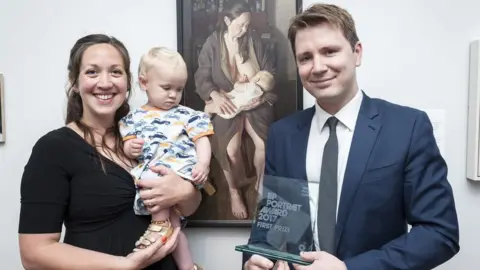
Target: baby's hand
{"type": "Point", "coordinates": [133, 148]}
{"type": "Point", "coordinates": [200, 173]}
{"type": "Point", "coordinates": [243, 78]}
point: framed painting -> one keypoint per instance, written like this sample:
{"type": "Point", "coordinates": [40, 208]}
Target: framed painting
{"type": "Point", "coordinates": [2, 110]}
{"type": "Point", "coordinates": [242, 72]}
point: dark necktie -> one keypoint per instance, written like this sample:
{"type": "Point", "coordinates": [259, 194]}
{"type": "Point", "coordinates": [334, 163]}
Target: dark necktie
{"type": "Point", "coordinates": [327, 196]}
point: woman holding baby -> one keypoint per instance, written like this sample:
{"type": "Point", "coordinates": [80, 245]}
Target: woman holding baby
{"type": "Point", "coordinates": [77, 179]}
{"type": "Point", "coordinates": [231, 58]}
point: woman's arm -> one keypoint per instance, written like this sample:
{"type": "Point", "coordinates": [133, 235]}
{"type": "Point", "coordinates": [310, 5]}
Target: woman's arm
{"type": "Point", "coordinates": [44, 201]}
{"type": "Point", "coordinates": [264, 57]}
{"type": "Point", "coordinates": [267, 64]}
{"type": "Point", "coordinates": [43, 251]}
{"type": "Point", "coordinates": [204, 84]}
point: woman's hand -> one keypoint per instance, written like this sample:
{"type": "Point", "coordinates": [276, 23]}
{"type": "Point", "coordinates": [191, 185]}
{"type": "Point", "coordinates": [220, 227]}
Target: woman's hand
{"type": "Point", "coordinates": [222, 102]}
{"type": "Point", "coordinates": [165, 192]}
{"type": "Point", "coordinates": [255, 102]}
{"type": "Point", "coordinates": [270, 98]}
{"type": "Point", "coordinates": [244, 78]}
{"type": "Point", "coordinates": [141, 258]}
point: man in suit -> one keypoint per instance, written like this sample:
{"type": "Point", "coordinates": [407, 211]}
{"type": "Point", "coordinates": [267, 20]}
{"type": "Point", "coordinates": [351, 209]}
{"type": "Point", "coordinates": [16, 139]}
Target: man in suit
{"type": "Point", "coordinates": [379, 160]}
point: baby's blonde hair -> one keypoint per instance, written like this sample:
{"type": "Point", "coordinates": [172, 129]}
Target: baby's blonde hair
{"type": "Point", "coordinates": [157, 55]}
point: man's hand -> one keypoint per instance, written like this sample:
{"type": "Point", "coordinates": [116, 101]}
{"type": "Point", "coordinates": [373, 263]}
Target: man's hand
{"type": "Point", "coordinates": [133, 148]}
{"type": "Point", "coordinates": [258, 262]}
{"type": "Point", "coordinates": [321, 261]}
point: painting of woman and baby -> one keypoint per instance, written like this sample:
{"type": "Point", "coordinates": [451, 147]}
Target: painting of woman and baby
{"type": "Point", "coordinates": [235, 80]}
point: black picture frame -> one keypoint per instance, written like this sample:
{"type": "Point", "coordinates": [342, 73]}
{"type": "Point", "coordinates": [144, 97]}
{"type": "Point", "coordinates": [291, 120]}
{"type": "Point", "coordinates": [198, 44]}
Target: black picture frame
{"type": "Point", "coordinates": [195, 20]}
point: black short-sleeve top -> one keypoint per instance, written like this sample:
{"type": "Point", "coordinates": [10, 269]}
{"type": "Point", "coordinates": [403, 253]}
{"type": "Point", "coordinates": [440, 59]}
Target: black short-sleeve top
{"type": "Point", "coordinates": [63, 183]}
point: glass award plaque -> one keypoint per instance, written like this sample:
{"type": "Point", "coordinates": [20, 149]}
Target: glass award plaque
{"type": "Point", "coordinates": [282, 226]}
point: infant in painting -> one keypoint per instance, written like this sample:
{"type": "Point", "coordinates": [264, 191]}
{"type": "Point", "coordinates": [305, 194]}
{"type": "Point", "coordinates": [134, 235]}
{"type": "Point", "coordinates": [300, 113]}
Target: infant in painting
{"type": "Point", "coordinates": [251, 87]}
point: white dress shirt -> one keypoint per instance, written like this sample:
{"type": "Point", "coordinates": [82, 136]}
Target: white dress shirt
{"type": "Point", "coordinates": [319, 133]}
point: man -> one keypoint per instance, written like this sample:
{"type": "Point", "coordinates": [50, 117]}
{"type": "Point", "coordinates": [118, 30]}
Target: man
{"type": "Point", "coordinates": [387, 169]}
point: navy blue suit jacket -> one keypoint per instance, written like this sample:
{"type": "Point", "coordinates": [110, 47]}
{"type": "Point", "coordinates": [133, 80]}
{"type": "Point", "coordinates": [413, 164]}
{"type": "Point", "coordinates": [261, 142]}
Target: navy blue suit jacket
{"type": "Point", "coordinates": [395, 176]}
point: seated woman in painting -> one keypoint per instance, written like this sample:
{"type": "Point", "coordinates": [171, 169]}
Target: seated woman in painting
{"type": "Point", "coordinates": [231, 58]}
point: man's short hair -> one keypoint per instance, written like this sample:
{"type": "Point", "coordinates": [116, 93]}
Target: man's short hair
{"type": "Point", "coordinates": [324, 13]}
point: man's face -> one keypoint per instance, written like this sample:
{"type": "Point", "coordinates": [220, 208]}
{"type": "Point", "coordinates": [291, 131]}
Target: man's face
{"type": "Point", "coordinates": [326, 64]}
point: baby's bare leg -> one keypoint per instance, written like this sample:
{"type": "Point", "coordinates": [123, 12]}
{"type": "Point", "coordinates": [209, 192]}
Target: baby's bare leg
{"type": "Point", "coordinates": [160, 220]}
{"type": "Point", "coordinates": [161, 215]}
{"type": "Point", "coordinates": [156, 230]}
{"type": "Point", "coordinates": [182, 255]}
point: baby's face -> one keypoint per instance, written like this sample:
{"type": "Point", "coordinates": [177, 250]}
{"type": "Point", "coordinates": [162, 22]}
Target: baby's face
{"type": "Point", "coordinates": [164, 86]}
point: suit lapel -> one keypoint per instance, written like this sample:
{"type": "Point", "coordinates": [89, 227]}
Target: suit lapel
{"type": "Point", "coordinates": [366, 130]}
{"type": "Point", "coordinates": [299, 143]}
{"type": "Point", "coordinates": [297, 169]}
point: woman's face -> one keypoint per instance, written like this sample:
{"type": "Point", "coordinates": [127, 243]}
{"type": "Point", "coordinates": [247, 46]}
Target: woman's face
{"type": "Point", "coordinates": [102, 82]}
{"type": "Point", "coordinates": [238, 26]}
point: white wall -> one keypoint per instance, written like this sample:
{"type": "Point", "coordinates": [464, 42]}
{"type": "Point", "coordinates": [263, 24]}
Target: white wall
{"type": "Point", "coordinates": [416, 53]}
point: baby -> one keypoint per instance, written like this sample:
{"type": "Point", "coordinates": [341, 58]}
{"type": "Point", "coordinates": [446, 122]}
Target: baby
{"type": "Point", "coordinates": [162, 132]}
{"type": "Point", "coordinates": [253, 83]}
{"type": "Point", "coordinates": [243, 93]}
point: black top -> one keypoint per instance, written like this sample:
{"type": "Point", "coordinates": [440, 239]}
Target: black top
{"type": "Point", "coordinates": [63, 181]}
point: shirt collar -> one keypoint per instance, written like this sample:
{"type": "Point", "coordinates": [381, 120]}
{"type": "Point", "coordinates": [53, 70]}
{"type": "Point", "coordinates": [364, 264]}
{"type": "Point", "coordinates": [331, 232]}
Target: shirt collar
{"type": "Point", "coordinates": [347, 115]}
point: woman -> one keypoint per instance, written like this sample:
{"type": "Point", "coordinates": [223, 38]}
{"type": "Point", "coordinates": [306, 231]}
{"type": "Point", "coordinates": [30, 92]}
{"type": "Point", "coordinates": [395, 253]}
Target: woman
{"type": "Point", "coordinates": [78, 175]}
{"type": "Point", "coordinates": [221, 61]}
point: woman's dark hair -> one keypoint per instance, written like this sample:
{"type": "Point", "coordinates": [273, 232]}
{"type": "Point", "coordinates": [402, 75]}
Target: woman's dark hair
{"type": "Point", "coordinates": [75, 106]}
{"type": "Point", "coordinates": [233, 9]}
